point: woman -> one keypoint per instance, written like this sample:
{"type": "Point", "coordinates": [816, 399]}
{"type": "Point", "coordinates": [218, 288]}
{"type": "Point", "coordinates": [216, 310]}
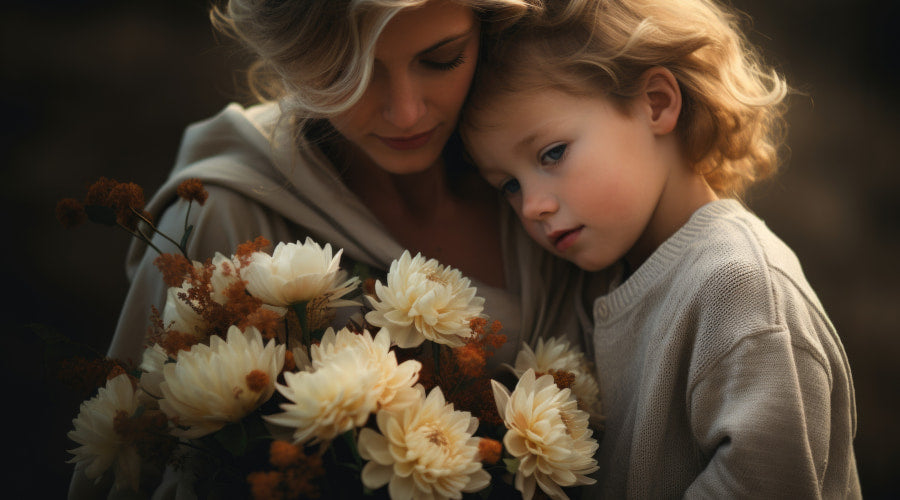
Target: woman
{"type": "Point", "coordinates": [356, 148]}
{"type": "Point", "coordinates": [362, 163]}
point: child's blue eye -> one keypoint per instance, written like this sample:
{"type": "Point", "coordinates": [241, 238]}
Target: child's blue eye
{"type": "Point", "coordinates": [554, 154]}
{"type": "Point", "coordinates": [510, 187]}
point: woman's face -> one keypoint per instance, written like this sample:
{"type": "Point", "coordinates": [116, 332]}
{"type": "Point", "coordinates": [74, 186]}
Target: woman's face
{"type": "Point", "coordinates": [424, 62]}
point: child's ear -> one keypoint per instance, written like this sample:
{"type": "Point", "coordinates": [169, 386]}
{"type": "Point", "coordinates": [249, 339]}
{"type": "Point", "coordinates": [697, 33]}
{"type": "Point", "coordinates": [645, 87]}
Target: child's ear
{"type": "Point", "coordinates": [662, 96]}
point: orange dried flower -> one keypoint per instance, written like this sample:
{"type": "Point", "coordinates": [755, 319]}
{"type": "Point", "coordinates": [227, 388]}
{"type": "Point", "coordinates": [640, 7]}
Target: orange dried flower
{"type": "Point", "coordinates": [563, 379]}
{"type": "Point", "coordinates": [126, 199]}
{"type": "Point", "coordinates": [175, 268]}
{"type": "Point", "coordinates": [289, 363]}
{"type": "Point", "coordinates": [192, 190]}
{"type": "Point", "coordinates": [175, 341]}
{"type": "Point", "coordinates": [70, 212]}
{"type": "Point", "coordinates": [257, 380]}
{"type": "Point", "coordinates": [98, 192]}
{"type": "Point", "coordinates": [265, 320]}
{"type": "Point", "coordinates": [283, 454]}
{"type": "Point", "coordinates": [86, 375]}
{"type": "Point", "coordinates": [246, 249]}
{"type": "Point", "coordinates": [148, 432]}
{"type": "Point", "coordinates": [489, 450]}
{"type": "Point", "coordinates": [265, 485]}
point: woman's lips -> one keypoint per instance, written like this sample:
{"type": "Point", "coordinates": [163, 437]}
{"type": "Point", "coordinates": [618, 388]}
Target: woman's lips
{"type": "Point", "coordinates": [408, 142]}
{"type": "Point", "coordinates": [564, 239]}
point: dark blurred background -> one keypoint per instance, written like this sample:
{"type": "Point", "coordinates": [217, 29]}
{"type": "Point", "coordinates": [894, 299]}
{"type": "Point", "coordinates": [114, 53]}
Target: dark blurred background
{"type": "Point", "coordinates": [105, 88]}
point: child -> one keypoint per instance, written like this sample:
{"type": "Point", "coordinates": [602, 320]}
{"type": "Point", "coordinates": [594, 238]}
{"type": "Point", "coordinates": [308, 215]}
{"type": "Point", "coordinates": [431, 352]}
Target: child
{"type": "Point", "coordinates": [622, 133]}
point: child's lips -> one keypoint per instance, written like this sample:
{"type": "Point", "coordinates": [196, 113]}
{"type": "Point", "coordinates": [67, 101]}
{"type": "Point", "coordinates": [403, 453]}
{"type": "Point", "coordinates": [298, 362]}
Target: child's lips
{"type": "Point", "coordinates": [564, 238]}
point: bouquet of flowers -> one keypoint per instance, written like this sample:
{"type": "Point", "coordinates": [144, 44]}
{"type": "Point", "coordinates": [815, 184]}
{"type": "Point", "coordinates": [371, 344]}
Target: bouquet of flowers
{"type": "Point", "coordinates": [280, 375]}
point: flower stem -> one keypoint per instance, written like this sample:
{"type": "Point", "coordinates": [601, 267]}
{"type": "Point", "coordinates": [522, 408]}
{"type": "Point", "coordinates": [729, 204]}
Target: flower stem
{"type": "Point", "coordinates": [164, 235]}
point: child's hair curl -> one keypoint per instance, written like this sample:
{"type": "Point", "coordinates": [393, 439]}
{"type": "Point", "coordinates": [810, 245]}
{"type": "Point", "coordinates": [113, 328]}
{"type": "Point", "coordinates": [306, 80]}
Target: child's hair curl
{"type": "Point", "coordinates": [731, 125]}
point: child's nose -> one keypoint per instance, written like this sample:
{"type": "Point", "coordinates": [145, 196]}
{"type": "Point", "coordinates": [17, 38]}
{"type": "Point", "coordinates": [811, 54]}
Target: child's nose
{"type": "Point", "coordinates": [538, 205]}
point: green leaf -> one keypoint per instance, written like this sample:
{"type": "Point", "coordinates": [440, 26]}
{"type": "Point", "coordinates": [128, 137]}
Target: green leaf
{"type": "Point", "coordinates": [232, 437]}
{"type": "Point", "coordinates": [512, 465]}
{"type": "Point", "coordinates": [187, 234]}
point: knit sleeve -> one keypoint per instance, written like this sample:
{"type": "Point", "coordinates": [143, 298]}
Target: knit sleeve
{"type": "Point", "coordinates": [761, 417]}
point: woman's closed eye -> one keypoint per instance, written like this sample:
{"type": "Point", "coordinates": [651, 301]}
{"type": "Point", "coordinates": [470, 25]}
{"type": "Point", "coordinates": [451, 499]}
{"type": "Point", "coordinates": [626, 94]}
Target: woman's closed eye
{"type": "Point", "coordinates": [553, 155]}
{"type": "Point", "coordinates": [445, 64]}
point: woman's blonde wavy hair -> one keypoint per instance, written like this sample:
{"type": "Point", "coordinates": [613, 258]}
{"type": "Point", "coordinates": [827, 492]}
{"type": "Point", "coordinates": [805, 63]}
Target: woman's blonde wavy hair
{"type": "Point", "coordinates": [731, 125]}
{"type": "Point", "coordinates": [316, 56]}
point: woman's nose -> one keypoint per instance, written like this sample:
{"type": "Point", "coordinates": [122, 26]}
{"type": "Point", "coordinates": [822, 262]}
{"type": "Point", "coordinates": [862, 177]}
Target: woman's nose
{"type": "Point", "coordinates": [404, 102]}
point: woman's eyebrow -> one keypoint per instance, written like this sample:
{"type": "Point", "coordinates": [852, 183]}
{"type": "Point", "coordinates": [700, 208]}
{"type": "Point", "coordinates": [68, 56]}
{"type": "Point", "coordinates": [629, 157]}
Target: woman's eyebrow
{"type": "Point", "coordinates": [447, 40]}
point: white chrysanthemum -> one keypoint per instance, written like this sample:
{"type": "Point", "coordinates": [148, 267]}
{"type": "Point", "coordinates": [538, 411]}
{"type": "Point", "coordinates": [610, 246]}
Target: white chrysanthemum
{"type": "Point", "coordinates": [225, 274]}
{"type": "Point", "coordinates": [179, 315]}
{"type": "Point", "coordinates": [424, 300]}
{"type": "Point", "coordinates": [211, 386]}
{"type": "Point", "coordinates": [101, 446]}
{"type": "Point", "coordinates": [297, 273]}
{"type": "Point", "coordinates": [425, 451]}
{"type": "Point", "coordinates": [558, 354]}
{"type": "Point", "coordinates": [152, 363]}
{"type": "Point", "coordinates": [547, 433]}
{"type": "Point", "coordinates": [353, 376]}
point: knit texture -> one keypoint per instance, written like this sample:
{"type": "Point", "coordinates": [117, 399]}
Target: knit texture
{"type": "Point", "coordinates": [720, 373]}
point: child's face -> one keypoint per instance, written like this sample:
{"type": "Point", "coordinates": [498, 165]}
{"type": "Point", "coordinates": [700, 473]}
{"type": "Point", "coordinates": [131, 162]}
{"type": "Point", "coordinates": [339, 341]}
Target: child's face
{"type": "Point", "coordinates": [585, 179]}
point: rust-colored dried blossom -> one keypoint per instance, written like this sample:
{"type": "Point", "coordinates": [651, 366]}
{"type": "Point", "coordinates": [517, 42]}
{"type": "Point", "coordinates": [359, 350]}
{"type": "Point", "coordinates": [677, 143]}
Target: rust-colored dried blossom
{"type": "Point", "coordinates": [489, 450]}
{"type": "Point", "coordinates": [175, 268]}
{"type": "Point", "coordinates": [267, 321]}
{"type": "Point", "coordinates": [300, 481]}
{"type": "Point", "coordinates": [173, 342]}
{"type": "Point", "coordinates": [70, 212]}
{"type": "Point", "coordinates": [149, 434]}
{"type": "Point", "coordinates": [461, 372]}
{"type": "Point", "coordinates": [295, 478]}
{"type": "Point", "coordinates": [368, 286]}
{"type": "Point", "coordinates": [284, 454]}
{"type": "Point", "coordinates": [257, 380]}
{"type": "Point", "coordinates": [246, 249]}
{"type": "Point", "coordinates": [98, 192]}
{"type": "Point", "coordinates": [563, 379]}
{"type": "Point", "coordinates": [126, 199]}
{"type": "Point", "coordinates": [289, 363]}
{"type": "Point", "coordinates": [192, 190]}
{"type": "Point", "coordinates": [266, 485]}
{"type": "Point", "coordinates": [85, 375]}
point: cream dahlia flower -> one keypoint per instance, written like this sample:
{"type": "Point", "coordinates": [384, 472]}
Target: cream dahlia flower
{"type": "Point", "coordinates": [352, 376]}
{"type": "Point", "coordinates": [547, 433]}
{"type": "Point", "coordinates": [425, 451]}
{"type": "Point", "coordinates": [297, 273]}
{"type": "Point", "coordinates": [558, 355]}
{"type": "Point", "coordinates": [153, 361]}
{"type": "Point", "coordinates": [179, 315]}
{"type": "Point", "coordinates": [424, 300]}
{"type": "Point", "coordinates": [101, 446]}
{"type": "Point", "coordinates": [211, 386]}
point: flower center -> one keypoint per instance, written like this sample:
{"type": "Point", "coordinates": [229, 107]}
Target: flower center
{"type": "Point", "coordinates": [257, 380]}
{"type": "Point", "coordinates": [435, 276]}
{"type": "Point", "coordinates": [436, 437]}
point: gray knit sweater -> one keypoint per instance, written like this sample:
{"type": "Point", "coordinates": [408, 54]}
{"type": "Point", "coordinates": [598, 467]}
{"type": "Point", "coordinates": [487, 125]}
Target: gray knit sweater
{"type": "Point", "coordinates": [720, 373]}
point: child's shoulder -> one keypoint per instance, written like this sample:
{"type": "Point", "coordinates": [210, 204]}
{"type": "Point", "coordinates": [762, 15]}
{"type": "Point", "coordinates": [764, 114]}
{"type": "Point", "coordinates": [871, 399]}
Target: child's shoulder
{"type": "Point", "coordinates": [748, 280]}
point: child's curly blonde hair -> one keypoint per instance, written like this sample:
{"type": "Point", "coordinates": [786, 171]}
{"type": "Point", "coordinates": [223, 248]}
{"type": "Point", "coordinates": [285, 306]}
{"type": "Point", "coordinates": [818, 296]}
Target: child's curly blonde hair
{"type": "Point", "coordinates": [731, 124]}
